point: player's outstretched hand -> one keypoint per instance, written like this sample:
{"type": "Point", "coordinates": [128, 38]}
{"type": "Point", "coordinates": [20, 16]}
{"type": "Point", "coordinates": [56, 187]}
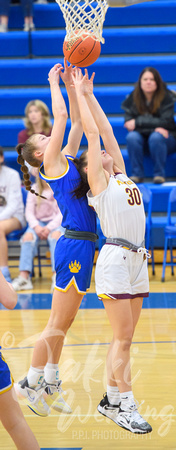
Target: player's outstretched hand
{"type": "Point", "coordinates": [82, 83]}
{"type": "Point", "coordinates": [54, 74]}
{"type": "Point", "coordinates": [66, 75]}
{"type": "Point", "coordinates": [88, 82]}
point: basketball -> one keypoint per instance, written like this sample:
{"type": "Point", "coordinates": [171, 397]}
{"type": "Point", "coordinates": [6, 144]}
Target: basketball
{"type": "Point", "coordinates": [81, 52]}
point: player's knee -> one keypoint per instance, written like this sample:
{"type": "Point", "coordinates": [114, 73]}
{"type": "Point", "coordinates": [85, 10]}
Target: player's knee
{"type": "Point", "coordinates": [27, 237]}
{"type": "Point", "coordinates": [125, 340]}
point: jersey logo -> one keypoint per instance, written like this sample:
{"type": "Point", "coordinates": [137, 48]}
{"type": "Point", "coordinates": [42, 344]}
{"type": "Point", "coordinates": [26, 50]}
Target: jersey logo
{"type": "Point", "coordinates": [74, 267]}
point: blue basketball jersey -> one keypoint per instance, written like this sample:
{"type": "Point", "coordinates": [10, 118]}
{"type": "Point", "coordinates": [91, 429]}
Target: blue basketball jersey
{"type": "Point", "coordinates": [6, 380]}
{"type": "Point", "coordinates": [73, 258]}
{"type": "Point", "coordinates": [77, 214]}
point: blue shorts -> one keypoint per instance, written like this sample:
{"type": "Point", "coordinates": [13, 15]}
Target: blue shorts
{"type": "Point", "coordinates": [74, 262]}
{"type": "Point", "coordinates": [6, 380]}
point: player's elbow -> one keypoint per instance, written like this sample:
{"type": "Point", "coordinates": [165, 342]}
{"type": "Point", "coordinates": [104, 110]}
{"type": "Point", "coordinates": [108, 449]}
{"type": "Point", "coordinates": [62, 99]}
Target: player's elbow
{"type": "Point", "coordinates": [12, 299]}
{"type": "Point", "coordinates": [107, 129]}
{"type": "Point", "coordinates": [92, 134]}
{"type": "Point", "coordinates": [64, 113]}
{"type": "Point", "coordinates": [61, 114]}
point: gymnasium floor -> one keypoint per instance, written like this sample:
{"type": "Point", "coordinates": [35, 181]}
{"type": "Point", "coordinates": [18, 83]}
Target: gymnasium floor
{"type": "Point", "coordinates": [82, 368]}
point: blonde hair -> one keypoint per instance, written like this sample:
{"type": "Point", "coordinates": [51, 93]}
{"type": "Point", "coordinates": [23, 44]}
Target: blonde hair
{"type": "Point", "coordinates": [43, 108]}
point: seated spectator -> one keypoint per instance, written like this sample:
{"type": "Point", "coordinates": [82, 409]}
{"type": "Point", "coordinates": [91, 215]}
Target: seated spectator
{"type": "Point", "coordinates": [149, 118]}
{"type": "Point", "coordinates": [37, 120]}
{"type": "Point", "coordinates": [27, 11]}
{"type": "Point", "coordinates": [41, 2]}
{"type": "Point", "coordinates": [11, 210]}
{"type": "Point", "coordinates": [44, 219]}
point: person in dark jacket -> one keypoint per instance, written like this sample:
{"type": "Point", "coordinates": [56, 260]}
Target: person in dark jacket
{"type": "Point", "coordinates": [149, 119]}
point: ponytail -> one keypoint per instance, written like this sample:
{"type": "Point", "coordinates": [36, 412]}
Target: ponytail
{"type": "Point", "coordinates": [25, 171]}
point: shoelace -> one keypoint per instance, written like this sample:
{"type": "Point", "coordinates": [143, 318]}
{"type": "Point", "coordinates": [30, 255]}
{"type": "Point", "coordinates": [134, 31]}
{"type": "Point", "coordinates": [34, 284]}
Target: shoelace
{"type": "Point", "coordinates": [133, 409]}
{"type": "Point", "coordinates": [52, 387]}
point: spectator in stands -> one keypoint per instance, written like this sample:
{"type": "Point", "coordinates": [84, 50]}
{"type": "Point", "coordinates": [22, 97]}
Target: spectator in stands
{"type": "Point", "coordinates": [44, 219]}
{"type": "Point", "coordinates": [149, 119]}
{"type": "Point", "coordinates": [27, 11]}
{"type": "Point", "coordinates": [41, 2]}
{"type": "Point", "coordinates": [11, 210]}
{"type": "Point", "coordinates": [37, 120]}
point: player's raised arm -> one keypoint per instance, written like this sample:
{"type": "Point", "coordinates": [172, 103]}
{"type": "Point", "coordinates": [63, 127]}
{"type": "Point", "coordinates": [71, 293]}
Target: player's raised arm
{"type": "Point", "coordinates": [54, 162]}
{"type": "Point", "coordinates": [105, 129]}
{"type": "Point", "coordinates": [96, 174]}
{"type": "Point", "coordinates": [76, 132]}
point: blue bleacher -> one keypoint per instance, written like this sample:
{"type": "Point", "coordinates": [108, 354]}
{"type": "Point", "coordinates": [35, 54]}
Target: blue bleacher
{"type": "Point", "coordinates": [14, 101]}
{"type": "Point", "coordinates": [50, 16]}
{"type": "Point", "coordinates": [135, 41]}
{"type": "Point", "coordinates": [135, 37]}
{"type": "Point", "coordinates": [109, 70]}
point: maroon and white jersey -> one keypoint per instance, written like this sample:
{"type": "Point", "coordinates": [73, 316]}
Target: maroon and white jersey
{"type": "Point", "coordinates": [120, 209]}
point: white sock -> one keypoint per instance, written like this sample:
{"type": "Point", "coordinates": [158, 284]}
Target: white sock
{"type": "Point", "coordinates": [35, 376]}
{"type": "Point", "coordinates": [113, 395]}
{"type": "Point", "coordinates": [127, 400]}
{"type": "Point", "coordinates": [51, 373]}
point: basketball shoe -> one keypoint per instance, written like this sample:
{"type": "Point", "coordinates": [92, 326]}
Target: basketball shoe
{"type": "Point", "coordinates": [108, 410]}
{"type": "Point", "coordinates": [52, 396]}
{"type": "Point", "coordinates": [33, 397]}
{"type": "Point", "coordinates": [131, 420]}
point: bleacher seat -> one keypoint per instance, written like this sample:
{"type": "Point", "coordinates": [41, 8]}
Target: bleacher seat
{"type": "Point", "coordinates": [34, 72]}
{"type": "Point", "coordinates": [135, 41]}
{"type": "Point", "coordinates": [170, 233]}
{"type": "Point", "coordinates": [49, 16]}
{"type": "Point", "coordinates": [15, 100]}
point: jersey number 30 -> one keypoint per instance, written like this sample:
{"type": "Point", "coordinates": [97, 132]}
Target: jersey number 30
{"type": "Point", "coordinates": [134, 196]}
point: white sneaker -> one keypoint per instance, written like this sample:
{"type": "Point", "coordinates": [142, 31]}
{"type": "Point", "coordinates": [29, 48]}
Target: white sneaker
{"type": "Point", "coordinates": [131, 420]}
{"type": "Point", "coordinates": [33, 397]}
{"type": "Point", "coordinates": [108, 410]}
{"type": "Point", "coordinates": [21, 284]}
{"type": "Point", "coordinates": [29, 27]}
{"type": "Point", "coordinates": [3, 28]}
{"type": "Point", "coordinates": [53, 282]}
{"type": "Point", "coordinates": [53, 398]}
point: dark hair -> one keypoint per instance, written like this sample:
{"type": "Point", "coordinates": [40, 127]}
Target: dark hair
{"type": "Point", "coordinates": [1, 151]}
{"type": "Point", "coordinates": [24, 170]}
{"type": "Point", "coordinates": [139, 97]}
{"type": "Point", "coordinates": [83, 187]}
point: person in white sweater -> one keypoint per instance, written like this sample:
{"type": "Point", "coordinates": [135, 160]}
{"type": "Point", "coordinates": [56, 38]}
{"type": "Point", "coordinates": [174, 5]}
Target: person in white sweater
{"type": "Point", "coordinates": [11, 210]}
{"type": "Point", "coordinates": [44, 223]}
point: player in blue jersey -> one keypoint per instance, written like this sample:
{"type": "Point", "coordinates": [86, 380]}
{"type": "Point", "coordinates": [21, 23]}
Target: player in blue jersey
{"type": "Point", "coordinates": [11, 415]}
{"type": "Point", "coordinates": [74, 253]}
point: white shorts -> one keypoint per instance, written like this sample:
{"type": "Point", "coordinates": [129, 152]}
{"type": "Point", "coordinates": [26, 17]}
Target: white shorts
{"type": "Point", "coordinates": [121, 273]}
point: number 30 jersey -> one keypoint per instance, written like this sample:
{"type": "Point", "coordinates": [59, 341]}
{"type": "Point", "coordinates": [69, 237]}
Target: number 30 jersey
{"type": "Point", "coordinates": [120, 209]}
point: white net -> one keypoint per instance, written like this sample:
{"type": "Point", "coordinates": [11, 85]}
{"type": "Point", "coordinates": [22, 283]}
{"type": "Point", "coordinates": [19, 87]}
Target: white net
{"type": "Point", "coordinates": [84, 16]}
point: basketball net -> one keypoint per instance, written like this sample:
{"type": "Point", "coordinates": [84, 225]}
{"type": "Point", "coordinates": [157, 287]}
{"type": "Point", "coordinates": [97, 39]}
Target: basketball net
{"type": "Point", "coordinates": [88, 16]}
{"type": "Point", "coordinates": [84, 16]}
